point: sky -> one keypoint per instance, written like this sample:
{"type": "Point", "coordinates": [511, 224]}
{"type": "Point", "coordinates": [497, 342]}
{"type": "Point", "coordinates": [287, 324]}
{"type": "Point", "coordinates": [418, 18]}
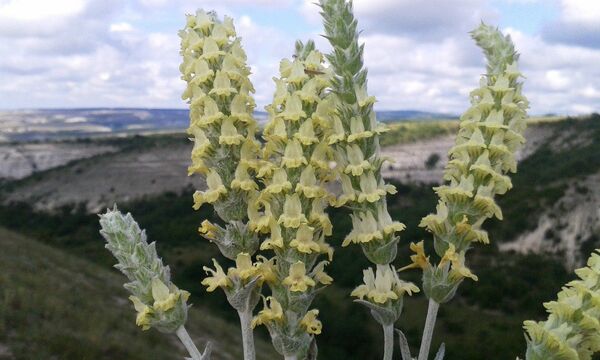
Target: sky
{"type": "Point", "coordinates": [125, 53]}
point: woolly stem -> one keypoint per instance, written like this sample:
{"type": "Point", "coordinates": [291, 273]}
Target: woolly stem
{"type": "Point", "coordinates": [290, 357]}
{"type": "Point", "coordinates": [247, 335]}
{"type": "Point", "coordinates": [185, 338]}
{"type": "Point", "coordinates": [388, 344]}
{"type": "Point", "coordinates": [432, 311]}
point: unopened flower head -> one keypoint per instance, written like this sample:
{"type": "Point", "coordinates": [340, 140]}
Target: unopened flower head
{"type": "Point", "coordinates": [572, 330]}
{"type": "Point", "coordinates": [158, 302]}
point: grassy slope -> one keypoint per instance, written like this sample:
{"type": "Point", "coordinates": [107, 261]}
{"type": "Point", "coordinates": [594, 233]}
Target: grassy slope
{"type": "Point", "coordinates": [55, 305]}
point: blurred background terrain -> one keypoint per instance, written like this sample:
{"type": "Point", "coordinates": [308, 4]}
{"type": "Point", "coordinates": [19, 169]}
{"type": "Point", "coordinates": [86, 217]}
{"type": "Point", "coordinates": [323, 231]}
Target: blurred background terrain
{"type": "Point", "coordinates": [60, 299]}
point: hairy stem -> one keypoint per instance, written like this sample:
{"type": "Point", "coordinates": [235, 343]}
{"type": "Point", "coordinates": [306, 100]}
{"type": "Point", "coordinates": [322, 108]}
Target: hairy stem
{"type": "Point", "coordinates": [185, 338]}
{"type": "Point", "coordinates": [247, 335]}
{"type": "Point", "coordinates": [432, 311]}
{"type": "Point", "coordinates": [290, 357]}
{"type": "Point", "coordinates": [388, 338]}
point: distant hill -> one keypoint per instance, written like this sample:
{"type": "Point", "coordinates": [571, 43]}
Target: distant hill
{"type": "Point", "coordinates": [401, 115]}
{"type": "Point", "coordinates": [53, 124]}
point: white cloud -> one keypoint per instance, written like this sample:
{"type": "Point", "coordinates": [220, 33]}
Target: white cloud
{"type": "Point", "coordinates": [557, 74]}
{"type": "Point", "coordinates": [121, 27]}
{"type": "Point", "coordinates": [422, 19]}
{"type": "Point", "coordinates": [587, 11]}
{"type": "Point", "coordinates": [579, 24]}
{"type": "Point", "coordinates": [116, 53]}
{"type": "Point", "coordinates": [28, 10]}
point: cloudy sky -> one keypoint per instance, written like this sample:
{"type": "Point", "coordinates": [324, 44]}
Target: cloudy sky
{"type": "Point", "coordinates": [124, 53]}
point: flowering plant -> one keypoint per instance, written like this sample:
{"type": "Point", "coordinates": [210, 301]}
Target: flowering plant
{"type": "Point", "coordinates": [320, 149]}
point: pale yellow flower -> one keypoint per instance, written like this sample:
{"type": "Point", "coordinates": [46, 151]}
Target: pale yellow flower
{"type": "Point", "coordinates": [293, 156]}
{"type": "Point", "coordinates": [419, 260]}
{"type": "Point", "coordinates": [201, 143]}
{"type": "Point", "coordinates": [272, 312]}
{"type": "Point", "coordinates": [357, 130]}
{"type": "Point", "coordinates": [364, 229]}
{"type": "Point", "coordinates": [369, 189]}
{"type": "Point", "coordinates": [348, 192]}
{"type": "Point", "coordinates": [385, 222]}
{"type": "Point", "coordinates": [249, 153]}
{"type": "Point", "coordinates": [244, 269]}
{"type": "Point", "coordinates": [320, 275]}
{"type": "Point", "coordinates": [279, 183]}
{"type": "Point", "coordinates": [242, 179]}
{"type": "Point", "coordinates": [229, 134]}
{"type": "Point", "coordinates": [437, 222]}
{"type": "Point", "coordinates": [308, 185]}
{"type": "Point", "coordinates": [322, 116]}
{"type": "Point", "coordinates": [263, 221]}
{"type": "Point", "coordinates": [357, 163]}
{"type": "Point", "coordinates": [266, 269]}
{"type": "Point", "coordinates": [208, 230]}
{"type": "Point", "coordinates": [228, 25]}
{"type": "Point", "coordinates": [275, 240]}
{"type": "Point", "coordinates": [325, 248]}
{"type": "Point", "coordinates": [337, 133]}
{"type": "Point", "coordinates": [313, 60]}
{"type": "Point", "coordinates": [144, 313]}
{"type": "Point", "coordinates": [202, 21]}
{"type": "Point", "coordinates": [458, 192]}
{"type": "Point", "coordinates": [501, 84]}
{"type": "Point", "coordinates": [281, 92]}
{"type": "Point", "coordinates": [318, 215]}
{"type": "Point", "coordinates": [217, 277]}
{"type": "Point", "coordinates": [211, 112]}
{"type": "Point", "coordinates": [292, 216]}
{"type": "Point", "coordinates": [310, 322]}
{"type": "Point", "coordinates": [384, 285]}
{"type": "Point", "coordinates": [297, 74]}
{"type": "Point", "coordinates": [276, 131]}
{"type": "Point", "coordinates": [378, 286]}
{"type": "Point", "coordinates": [214, 191]}
{"type": "Point", "coordinates": [219, 34]}
{"type": "Point", "coordinates": [210, 50]}
{"type": "Point", "coordinates": [306, 134]}
{"type": "Point", "coordinates": [265, 168]}
{"type": "Point", "coordinates": [202, 72]}
{"type": "Point", "coordinates": [164, 299]}
{"type": "Point", "coordinates": [362, 98]}
{"type": "Point", "coordinates": [293, 108]}
{"type": "Point", "coordinates": [304, 240]}
{"type": "Point", "coordinates": [458, 269]}
{"type": "Point", "coordinates": [240, 109]}
{"type": "Point", "coordinates": [285, 68]}
{"type": "Point", "coordinates": [320, 156]}
{"type": "Point", "coordinates": [308, 93]}
{"type": "Point", "coordinates": [222, 85]}
{"type": "Point", "coordinates": [297, 280]}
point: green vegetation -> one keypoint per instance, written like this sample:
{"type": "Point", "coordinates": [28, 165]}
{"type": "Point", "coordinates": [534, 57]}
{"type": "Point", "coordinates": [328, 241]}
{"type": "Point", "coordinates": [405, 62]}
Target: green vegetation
{"type": "Point", "coordinates": [56, 305]}
{"type": "Point", "coordinates": [572, 152]}
{"type": "Point", "coordinates": [406, 132]}
{"type": "Point", "coordinates": [170, 220]}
